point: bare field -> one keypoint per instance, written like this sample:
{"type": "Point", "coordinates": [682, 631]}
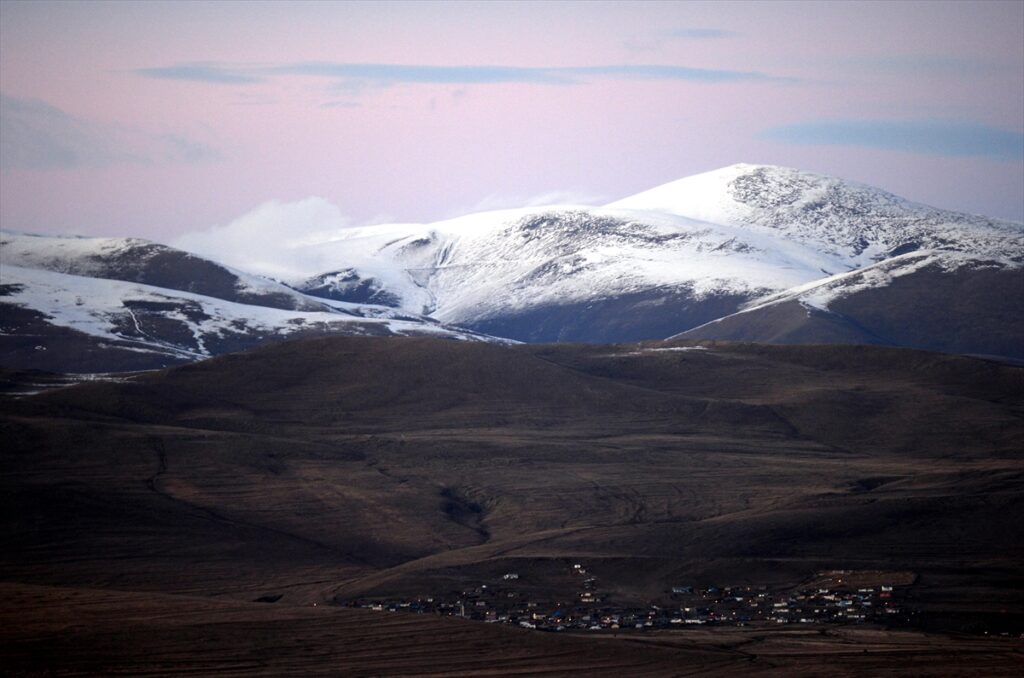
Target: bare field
{"type": "Point", "coordinates": [61, 631]}
{"type": "Point", "coordinates": [325, 471]}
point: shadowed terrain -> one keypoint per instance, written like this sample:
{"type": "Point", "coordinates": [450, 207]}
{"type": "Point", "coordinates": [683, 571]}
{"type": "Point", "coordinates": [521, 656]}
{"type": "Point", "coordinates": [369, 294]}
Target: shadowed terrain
{"type": "Point", "coordinates": [975, 310]}
{"type": "Point", "coordinates": [324, 470]}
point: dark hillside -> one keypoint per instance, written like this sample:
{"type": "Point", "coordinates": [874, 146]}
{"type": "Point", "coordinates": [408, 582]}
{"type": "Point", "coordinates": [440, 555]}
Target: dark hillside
{"type": "Point", "coordinates": [335, 469]}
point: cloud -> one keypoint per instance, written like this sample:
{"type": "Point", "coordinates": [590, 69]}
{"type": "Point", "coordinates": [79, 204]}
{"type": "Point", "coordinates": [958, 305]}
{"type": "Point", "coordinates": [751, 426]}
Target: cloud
{"type": "Point", "coordinates": [658, 72]}
{"type": "Point", "coordinates": [199, 72]}
{"type": "Point", "coordinates": [179, 149]}
{"type": "Point", "coordinates": [700, 33]}
{"type": "Point", "coordinates": [656, 41]}
{"type": "Point", "coordinates": [352, 75]}
{"type": "Point", "coordinates": [501, 202]}
{"type": "Point", "coordinates": [277, 239]}
{"type": "Point", "coordinates": [929, 137]}
{"type": "Point", "coordinates": [37, 136]}
{"type": "Point", "coordinates": [476, 75]}
{"type": "Point", "coordinates": [290, 240]}
{"type": "Point", "coordinates": [419, 74]}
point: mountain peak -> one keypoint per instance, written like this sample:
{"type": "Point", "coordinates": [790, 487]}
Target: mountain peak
{"type": "Point", "coordinates": [708, 196]}
{"type": "Point", "coordinates": [675, 257]}
{"type": "Point", "coordinates": [858, 222]}
{"type": "Point", "coordinates": [690, 194]}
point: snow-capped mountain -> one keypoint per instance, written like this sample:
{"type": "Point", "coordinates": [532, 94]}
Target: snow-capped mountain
{"type": "Point", "coordinates": [770, 253]}
{"type": "Point", "coordinates": [562, 274]}
{"type": "Point", "coordinates": [142, 261]}
{"type": "Point", "coordinates": [656, 263]}
{"type": "Point", "coordinates": [942, 301]}
{"type": "Point", "coordinates": [858, 223]}
{"type": "Point", "coordinates": [109, 304]}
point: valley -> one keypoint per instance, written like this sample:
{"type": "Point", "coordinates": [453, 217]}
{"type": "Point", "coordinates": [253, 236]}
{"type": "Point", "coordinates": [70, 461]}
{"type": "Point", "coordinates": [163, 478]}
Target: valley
{"type": "Point", "coordinates": [400, 469]}
{"type": "Point", "coordinates": [342, 459]}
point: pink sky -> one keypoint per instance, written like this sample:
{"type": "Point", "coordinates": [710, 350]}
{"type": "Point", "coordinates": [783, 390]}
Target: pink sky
{"type": "Point", "coordinates": [94, 142]}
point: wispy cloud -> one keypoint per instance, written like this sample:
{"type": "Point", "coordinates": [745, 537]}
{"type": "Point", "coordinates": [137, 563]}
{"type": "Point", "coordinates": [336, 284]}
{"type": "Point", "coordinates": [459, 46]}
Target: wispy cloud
{"type": "Point", "coordinates": [420, 74]}
{"type": "Point", "coordinates": [658, 72]}
{"type": "Point", "coordinates": [174, 147]}
{"type": "Point", "coordinates": [700, 33]}
{"type": "Point", "coordinates": [501, 201]}
{"type": "Point", "coordinates": [199, 72]}
{"type": "Point", "coordinates": [278, 239]}
{"type": "Point", "coordinates": [655, 41]}
{"type": "Point", "coordinates": [395, 74]}
{"type": "Point", "coordinates": [37, 136]}
{"type": "Point", "coordinates": [929, 137]}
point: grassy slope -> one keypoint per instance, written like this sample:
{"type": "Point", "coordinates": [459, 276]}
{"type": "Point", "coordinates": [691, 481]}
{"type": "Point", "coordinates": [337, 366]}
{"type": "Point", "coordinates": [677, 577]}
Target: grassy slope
{"type": "Point", "coordinates": [340, 467]}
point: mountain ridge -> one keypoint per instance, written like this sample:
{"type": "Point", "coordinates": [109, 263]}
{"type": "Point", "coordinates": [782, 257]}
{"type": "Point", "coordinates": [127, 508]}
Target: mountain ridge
{"type": "Point", "coordinates": [680, 255]}
{"type": "Point", "coordinates": [125, 304]}
{"type": "Point", "coordinates": [745, 245]}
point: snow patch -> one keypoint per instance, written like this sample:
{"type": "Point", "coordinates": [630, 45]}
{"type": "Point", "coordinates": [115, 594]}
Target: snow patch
{"type": "Point", "coordinates": [100, 308]}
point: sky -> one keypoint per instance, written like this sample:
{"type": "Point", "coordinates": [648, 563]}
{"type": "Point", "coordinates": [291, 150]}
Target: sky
{"type": "Point", "coordinates": [160, 119]}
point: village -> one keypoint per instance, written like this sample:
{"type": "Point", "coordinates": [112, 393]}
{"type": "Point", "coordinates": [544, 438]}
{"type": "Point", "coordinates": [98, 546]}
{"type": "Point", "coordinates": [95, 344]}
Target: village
{"type": "Point", "coordinates": [835, 597]}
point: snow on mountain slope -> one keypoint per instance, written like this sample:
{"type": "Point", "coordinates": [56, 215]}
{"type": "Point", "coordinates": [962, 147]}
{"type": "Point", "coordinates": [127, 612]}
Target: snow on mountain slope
{"type": "Point", "coordinates": [37, 305]}
{"type": "Point", "coordinates": [645, 267]}
{"type": "Point", "coordinates": [705, 244]}
{"type": "Point", "coordinates": [482, 266]}
{"type": "Point", "coordinates": [934, 300]}
{"type": "Point", "coordinates": [820, 293]}
{"type": "Point", "coordinates": [860, 223]}
{"type": "Point", "coordinates": [142, 261]}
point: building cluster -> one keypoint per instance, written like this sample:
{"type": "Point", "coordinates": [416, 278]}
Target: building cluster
{"type": "Point", "coordinates": [505, 601]}
{"type": "Point", "coordinates": [743, 605]}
